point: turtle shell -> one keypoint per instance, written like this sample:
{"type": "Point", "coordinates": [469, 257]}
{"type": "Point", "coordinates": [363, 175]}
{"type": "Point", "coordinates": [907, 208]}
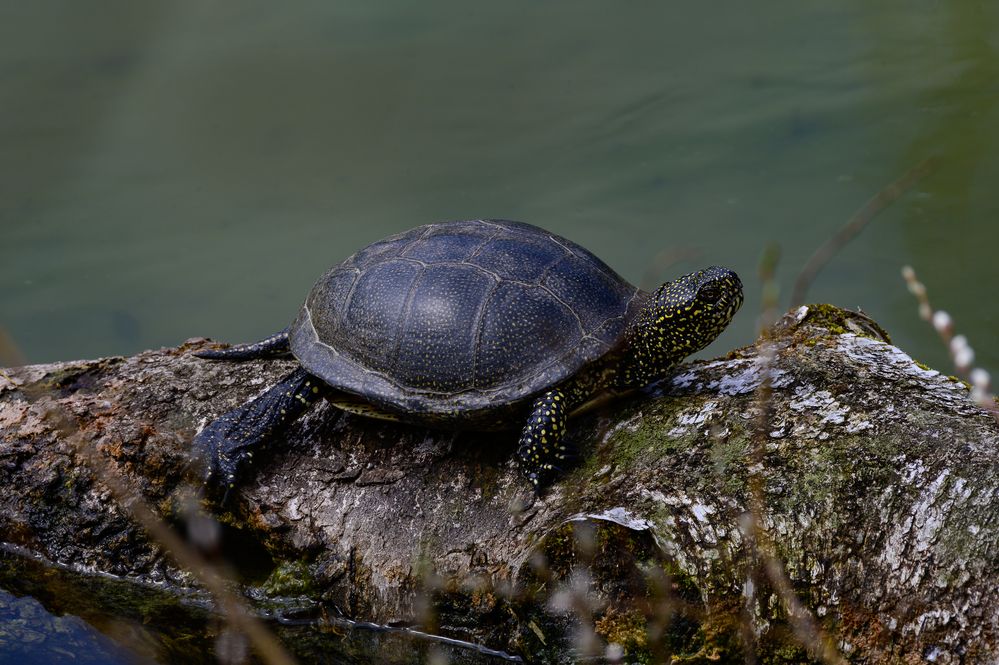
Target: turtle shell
{"type": "Point", "coordinates": [450, 320]}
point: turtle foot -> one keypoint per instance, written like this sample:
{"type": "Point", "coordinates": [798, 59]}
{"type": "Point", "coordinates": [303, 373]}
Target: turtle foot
{"type": "Point", "coordinates": [229, 442]}
{"type": "Point", "coordinates": [542, 451]}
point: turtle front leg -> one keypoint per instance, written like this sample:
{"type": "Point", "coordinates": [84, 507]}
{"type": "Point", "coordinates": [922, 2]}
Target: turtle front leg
{"type": "Point", "coordinates": [541, 448]}
{"type": "Point", "coordinates": [229, 440]}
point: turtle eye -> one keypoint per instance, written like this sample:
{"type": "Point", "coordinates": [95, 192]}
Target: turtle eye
{"type": "Point", "coordinates": [711, 292]}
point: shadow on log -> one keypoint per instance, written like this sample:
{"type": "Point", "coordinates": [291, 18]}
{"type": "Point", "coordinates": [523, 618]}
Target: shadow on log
{"type": "Point", "coordinates": [880, 484]}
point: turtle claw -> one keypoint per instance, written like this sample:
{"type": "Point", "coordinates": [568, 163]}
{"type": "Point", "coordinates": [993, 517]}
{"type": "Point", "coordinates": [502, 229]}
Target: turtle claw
{"type": "Point", "coordinates": [220, 455]}
{"type": "Point", "coordinates": [227, 444]}
{"type": "Point", "coordinates": [226, 494]}
{"type": "Point", "coordinates": [275, 346]}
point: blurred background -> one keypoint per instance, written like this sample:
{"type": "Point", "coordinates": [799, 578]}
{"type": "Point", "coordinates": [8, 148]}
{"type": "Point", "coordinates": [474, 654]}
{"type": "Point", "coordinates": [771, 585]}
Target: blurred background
{"type": "Point", "coordinates": [189, 168]}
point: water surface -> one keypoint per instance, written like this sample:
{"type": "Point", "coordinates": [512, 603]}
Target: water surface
{"type": "Point", "coordinates": [189, 168]}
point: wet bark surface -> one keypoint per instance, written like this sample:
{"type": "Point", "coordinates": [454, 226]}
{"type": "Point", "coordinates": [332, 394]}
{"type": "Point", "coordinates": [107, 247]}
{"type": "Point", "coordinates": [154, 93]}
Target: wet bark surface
{"type": "Point", "coordinates": [878, 485]}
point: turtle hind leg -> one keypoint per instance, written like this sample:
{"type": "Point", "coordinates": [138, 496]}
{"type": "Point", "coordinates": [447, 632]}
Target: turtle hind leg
{"type": "Point", "coordinates": [542, 449]}
{"type": "Point", "coordinates": [228, 442]}
{"type": "Point", "coordinates": [274, 346]}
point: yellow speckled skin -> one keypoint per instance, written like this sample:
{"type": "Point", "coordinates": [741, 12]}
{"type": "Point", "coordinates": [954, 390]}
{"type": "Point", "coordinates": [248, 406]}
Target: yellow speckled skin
{"type": "Point", "coordinates": [681, 317]}
{"type": "Point", "coordinates": [475, 324]}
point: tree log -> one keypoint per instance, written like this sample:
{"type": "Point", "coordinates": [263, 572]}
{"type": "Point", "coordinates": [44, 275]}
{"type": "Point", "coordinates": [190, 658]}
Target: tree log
{"type": "Point", "coordinates": [874, 482]}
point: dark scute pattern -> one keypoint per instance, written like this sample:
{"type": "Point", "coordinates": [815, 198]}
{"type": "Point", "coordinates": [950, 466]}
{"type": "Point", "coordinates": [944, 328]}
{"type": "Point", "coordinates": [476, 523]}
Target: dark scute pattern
{"type": "Point", "coordinates": [593, 295]}
{"type": "Point", "coordinates": [524, 329]}
{"type": "Point", "coordinates": [328, 300]}
{"type": "Point", "coordinates": [591, 347]}
{"type": "Point", "coordinates": [370, 327]}
{"type": "Point", "coordinates": [522, 258]}
{"type": "Point", "coordinates": [384, 249]}
{"type": "Point", "coordinates": [437, 339]}
{"type": "Point", "coordinates": [614, 328]}
{"type": "Point", "coordinates": [447, 245]}
{"type": "Point", "coordinates": [468, 338]}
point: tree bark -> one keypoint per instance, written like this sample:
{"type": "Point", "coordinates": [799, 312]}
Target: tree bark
{"type": "Point", "coordinates": [873, 481]}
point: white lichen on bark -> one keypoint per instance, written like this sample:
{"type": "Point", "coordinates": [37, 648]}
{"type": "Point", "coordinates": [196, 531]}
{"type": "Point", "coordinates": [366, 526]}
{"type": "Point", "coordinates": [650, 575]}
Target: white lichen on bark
{"type": "Point", "coordinates": [880, 480]}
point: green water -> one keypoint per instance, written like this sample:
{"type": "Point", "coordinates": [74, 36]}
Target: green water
{"type": "Point", "coordinates": [188, 168]}
{"type": "Point", "coordinates": [179, 169]}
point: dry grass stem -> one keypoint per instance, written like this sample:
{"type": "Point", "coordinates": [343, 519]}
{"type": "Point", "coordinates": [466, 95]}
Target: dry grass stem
{"type": "Point", "coordinates": [803, 623]}
{"type": "Point", "coordinates": [960, 350]}
{"type": "Point", "coordinates": [10, 354]}
{"type": "Point", "coordinates": [852, 228]}
{"type": "Point", "coordinates": [664, 260]}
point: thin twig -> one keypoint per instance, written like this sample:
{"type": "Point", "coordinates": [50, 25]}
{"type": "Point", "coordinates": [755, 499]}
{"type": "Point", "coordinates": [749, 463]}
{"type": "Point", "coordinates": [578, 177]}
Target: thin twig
{"type": "Point", "coordinates": [860, 219]}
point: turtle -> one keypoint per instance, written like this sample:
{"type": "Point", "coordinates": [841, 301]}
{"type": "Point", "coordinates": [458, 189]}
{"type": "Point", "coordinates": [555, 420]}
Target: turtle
{"type": "Point", "coordinates": [482, 324]}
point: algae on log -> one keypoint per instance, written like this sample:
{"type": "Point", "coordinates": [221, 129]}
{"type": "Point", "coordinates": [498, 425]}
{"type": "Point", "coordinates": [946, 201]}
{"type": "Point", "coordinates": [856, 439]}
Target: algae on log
{"type": "Point", "coordinates": [880, 486]}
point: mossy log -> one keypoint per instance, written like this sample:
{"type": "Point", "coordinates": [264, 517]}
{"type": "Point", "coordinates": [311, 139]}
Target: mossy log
{"type": "Point", "coordinates": [876, 489]}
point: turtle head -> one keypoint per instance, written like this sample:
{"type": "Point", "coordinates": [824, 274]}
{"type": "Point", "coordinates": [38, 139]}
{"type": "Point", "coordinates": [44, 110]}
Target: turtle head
{"type": "Point", "coordinates": [680, 318]}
